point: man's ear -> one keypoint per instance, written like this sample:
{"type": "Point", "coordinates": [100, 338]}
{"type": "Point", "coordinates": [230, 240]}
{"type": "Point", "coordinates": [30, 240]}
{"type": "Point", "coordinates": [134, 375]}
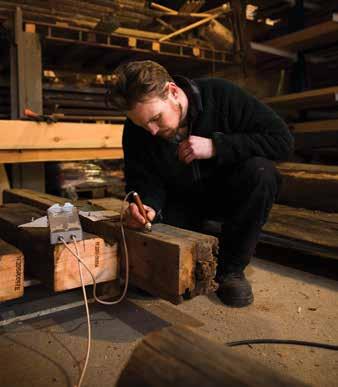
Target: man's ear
{"type": "Point", "coordinates": [173, 89]}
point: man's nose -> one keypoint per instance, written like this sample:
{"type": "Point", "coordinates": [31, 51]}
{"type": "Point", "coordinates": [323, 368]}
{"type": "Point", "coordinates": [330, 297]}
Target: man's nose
{"type": "Point", "coordinates": [153, 128]}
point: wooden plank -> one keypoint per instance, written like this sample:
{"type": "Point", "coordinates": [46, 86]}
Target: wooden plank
{"type": "Point", "coordinates": [315, 227]}
{"type": "Point", "coordinates": [315, 126]}
{"type": "Point", "coordinates": [11, 272]}
{"type": "Point", "coordinates": [170, 263]}
{"type": "Point", "coordinates": [309, 142]}
{"type": "Point", "coordinates": [179, 356]}
{"type": "Point", "coordinates": [15, 134]}
{"type": "Point", "coordinates": [307, 99]}
{"type": "Point", "coordinates": [54, 265]}
{"type": "Point", "coordinates": [29, 155]}
{"type": "Point", "coordinates": [317, 169]}
{"type": "Point", "coordinates": [307, 38]}
{"type": "Point", "coordinates": [311, 186]}
{"type": "Point", "coordinates": [4, 182]}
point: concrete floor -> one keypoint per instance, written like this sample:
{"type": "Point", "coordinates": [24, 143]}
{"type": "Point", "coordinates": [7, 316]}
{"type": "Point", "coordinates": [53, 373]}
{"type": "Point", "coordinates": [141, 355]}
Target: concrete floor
{"type": "Point", "coordinates": [289, 303]}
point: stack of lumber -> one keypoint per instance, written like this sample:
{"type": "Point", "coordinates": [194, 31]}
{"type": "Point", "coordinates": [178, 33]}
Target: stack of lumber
{"type": "Point", "coordinates": [54, 265]}
{"type": "Point", "coordinates": [171, 263]}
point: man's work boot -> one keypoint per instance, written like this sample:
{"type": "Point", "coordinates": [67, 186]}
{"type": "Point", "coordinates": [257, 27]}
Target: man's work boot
{"type": "Point", "coordinates": [234, 290]}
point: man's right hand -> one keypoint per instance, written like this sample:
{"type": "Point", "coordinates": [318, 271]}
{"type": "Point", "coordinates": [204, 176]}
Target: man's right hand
{"type": "Point", "coordinates": [134, 219]}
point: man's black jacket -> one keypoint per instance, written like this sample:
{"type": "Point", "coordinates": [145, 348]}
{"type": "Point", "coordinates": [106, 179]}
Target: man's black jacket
{"type": "Point", "coordinates": [240, 126]}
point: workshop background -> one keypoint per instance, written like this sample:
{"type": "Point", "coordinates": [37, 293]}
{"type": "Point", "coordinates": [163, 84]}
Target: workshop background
{"type": "Point", "coordinates": [59, 142]}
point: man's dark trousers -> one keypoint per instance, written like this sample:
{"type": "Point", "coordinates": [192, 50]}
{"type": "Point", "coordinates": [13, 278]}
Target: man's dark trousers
{"type": "Point", "coordinates": [240, 197]}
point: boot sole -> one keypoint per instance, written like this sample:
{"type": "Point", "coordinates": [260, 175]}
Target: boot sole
{"type": "Point", "coordinates": [237, 302]}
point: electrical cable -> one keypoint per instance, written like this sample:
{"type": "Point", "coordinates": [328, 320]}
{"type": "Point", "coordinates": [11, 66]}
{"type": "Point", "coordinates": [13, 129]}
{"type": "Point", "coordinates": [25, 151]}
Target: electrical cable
{"type": "Point", "coordinates": [279, 341]}
{"type": "Point", "coordinates": [81, 262]}
{"type": "Point", "coordinates": [89, 341]}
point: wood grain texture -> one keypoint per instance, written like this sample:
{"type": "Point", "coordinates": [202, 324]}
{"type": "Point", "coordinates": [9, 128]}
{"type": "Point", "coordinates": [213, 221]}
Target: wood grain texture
{"type": "Point", "coordinates": [309, 186]}
{"type": "Point", "coordinates": [31, 155]}
{"type": "Point", "coordinates": [11, 272]}
{"type": "Point", "coordinates": [61, 135]}
{"type": "Point", "coordinates": [54, 265]}
{"type": "Point", "coordinates": [178, 356]}
{"type": "Point", "coordinates": [168, 262]}
{"type": "Point", "coordinates": [311, 226]}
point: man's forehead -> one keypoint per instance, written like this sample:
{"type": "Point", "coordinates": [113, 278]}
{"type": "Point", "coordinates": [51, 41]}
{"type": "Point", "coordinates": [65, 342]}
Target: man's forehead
{"type": "Point", "coordinates": [148, 107]}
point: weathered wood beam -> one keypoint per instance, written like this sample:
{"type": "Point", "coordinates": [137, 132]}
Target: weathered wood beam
{"type": "Point", "coordinates": [54, 265]}
{"type": "Point", "coordinates": [179, 356]}
{"type": "Point", "coordinates": [168, 262]}
{"type": "Point", "coordinates": [306, 99]}
{"type": "Point", "coordinates": [11, 272]}
{"type": "Point", "coordinates": [316, 227]}
{"type": "Point", "coordinates": [311, 186]}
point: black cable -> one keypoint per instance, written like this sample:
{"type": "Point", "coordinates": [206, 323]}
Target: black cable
{"type": "Point", "coordinates": [277, 341]}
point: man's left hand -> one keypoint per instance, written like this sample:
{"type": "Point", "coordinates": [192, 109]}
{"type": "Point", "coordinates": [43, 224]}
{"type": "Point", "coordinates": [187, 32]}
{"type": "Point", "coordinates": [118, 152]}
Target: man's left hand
{"type": "Point", "coordinates": [196, 148]}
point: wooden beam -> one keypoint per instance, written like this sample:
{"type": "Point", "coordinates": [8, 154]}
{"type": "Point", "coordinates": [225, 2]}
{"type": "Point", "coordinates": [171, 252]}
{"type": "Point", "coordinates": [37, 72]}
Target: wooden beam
{"type": "Point", "coordinates": [315, 126]}
{"type": "Point", "coordinates": [11, 272]}
{"type": "Point", "coordinates": [274, 51]}
{"type": "Point", "coordinates": [54, 265]}
{"type": "Point", "coordinates": [315, 232]}
{"type": "Point", "coordinates": [179, 356]}
{"type": "Point", "coordinates": [309, 186]}
{"type": "Point", "coordinates": [31, 135]}
{"type": "Point", "coordinates": [306, 99]}
{"type": "Point", "coordinates": [309, 37]}
{"type": "Point", "coordinates": [32, 155]}
{"type": "Point", "coordinates": [225, 9]}
{"type": "Point", "coordinates": [138, 33]}
{"type": "Point", "coordinates": [169, 262]}
{"type": "Point", "coordinates": [4, 182]}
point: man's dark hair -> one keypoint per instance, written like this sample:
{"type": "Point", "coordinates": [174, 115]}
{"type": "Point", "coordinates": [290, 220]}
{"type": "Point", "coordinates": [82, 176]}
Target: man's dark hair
{"type": "Point", "coordinates": [134, 82]}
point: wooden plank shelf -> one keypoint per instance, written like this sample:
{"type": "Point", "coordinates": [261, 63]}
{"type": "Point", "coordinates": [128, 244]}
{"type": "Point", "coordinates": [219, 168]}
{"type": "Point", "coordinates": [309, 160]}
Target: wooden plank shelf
{"type": "Point", "coordinates": [322, 33]}
{"type": "Point", "coordinates": [124, 42]}
{"type": "Point", "coordinates": [315, 126]}
{"type": "Point", "coordinates": [305, 100]}
{"type": "Point", "coordinates": [58, 141]}
{"type": "Point", "coordinates": [288, 46]}
{"type": "Point", "coordinates": [33, 155]}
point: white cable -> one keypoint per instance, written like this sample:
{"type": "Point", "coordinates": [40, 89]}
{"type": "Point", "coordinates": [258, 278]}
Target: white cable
{"type": "Point", "coordinates": [125, 249]}
{"type": "Point", "coordinates": [81, 262]}
{"type": "Point", "coordinates": [77, 255]}
{"type": "Point", "coordinates": [88, 319]}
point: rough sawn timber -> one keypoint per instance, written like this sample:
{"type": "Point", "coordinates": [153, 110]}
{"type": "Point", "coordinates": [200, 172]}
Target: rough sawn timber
{"type": "Point", "coordinates": [11, 272]}
{"type": "Point", "coordinates": [54, 265]}
{"type": "Point", "coordinates": [169, 262]}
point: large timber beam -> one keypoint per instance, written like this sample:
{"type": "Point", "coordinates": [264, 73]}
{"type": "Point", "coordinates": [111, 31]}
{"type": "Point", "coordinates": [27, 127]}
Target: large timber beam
{"type": "Point", "coordinates": [179, 356]}
{"type": "Point", "coordinates": [54, 265]}
{"type": "Point", "coordinates": [169, 262]}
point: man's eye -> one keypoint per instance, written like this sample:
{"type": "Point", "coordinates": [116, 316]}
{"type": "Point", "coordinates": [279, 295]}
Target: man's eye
{"type": "Point", "coordinates": [155, 119]}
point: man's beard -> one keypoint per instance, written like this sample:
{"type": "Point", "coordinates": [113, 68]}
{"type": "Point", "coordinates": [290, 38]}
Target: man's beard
{"type": "Point", "coordinates": [176, 136]}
